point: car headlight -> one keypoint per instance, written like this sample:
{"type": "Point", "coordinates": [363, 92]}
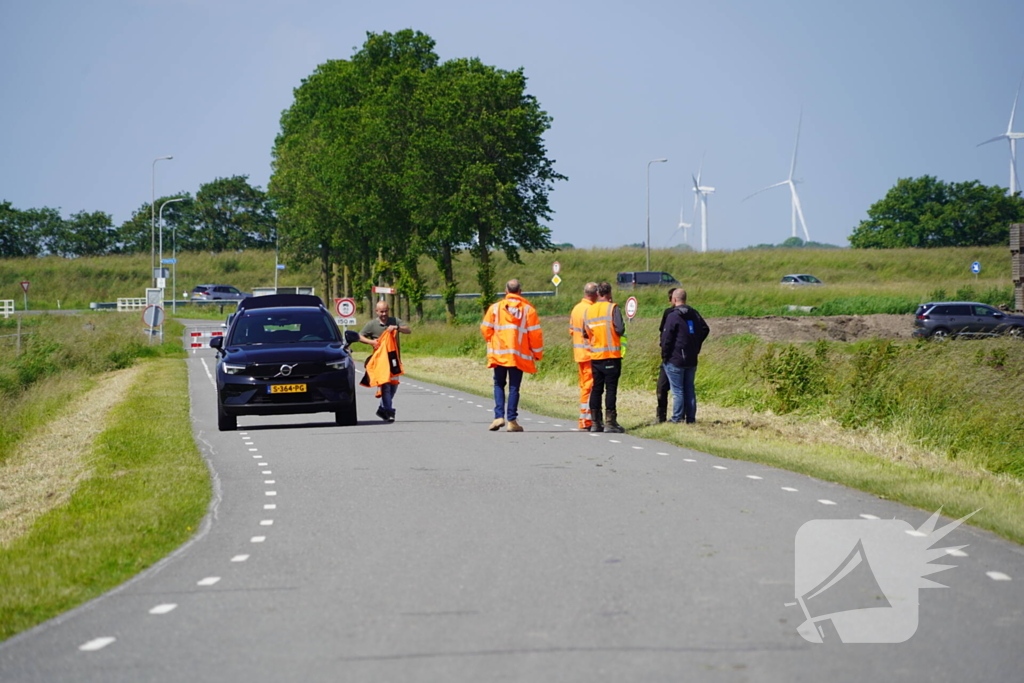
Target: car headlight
{"type": "Point", "coordinates": [233, 369]}
{"type": "Point", "coordinates": [338, 364]}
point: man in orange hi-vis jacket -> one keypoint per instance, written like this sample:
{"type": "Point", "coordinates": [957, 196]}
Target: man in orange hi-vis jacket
{"type": "Point", "coordinates": [514, 342]}
{"type": "Point", "coordinates": [581, 351]}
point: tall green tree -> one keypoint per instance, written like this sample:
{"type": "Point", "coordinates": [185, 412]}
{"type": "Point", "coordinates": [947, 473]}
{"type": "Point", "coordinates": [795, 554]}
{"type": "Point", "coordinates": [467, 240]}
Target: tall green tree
{"type": "Point", "coordinates": [927, 212]}
{"type": "Point", "coordinates": [83, 234]}
{"type": "Point", "coordinates": [228, 214]}
{"type": "Point", "coordinates": [25, 232]}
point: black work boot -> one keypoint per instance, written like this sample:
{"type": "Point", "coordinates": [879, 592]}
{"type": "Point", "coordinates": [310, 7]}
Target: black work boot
{"type": "Point", "coordinates": [613, 426]}
{"type": "Point", "coordinates": [597, 419]}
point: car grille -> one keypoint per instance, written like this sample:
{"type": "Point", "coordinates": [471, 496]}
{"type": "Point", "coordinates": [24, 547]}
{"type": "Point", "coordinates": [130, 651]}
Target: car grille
{"type": "Point", "coordinates": [301, 371]}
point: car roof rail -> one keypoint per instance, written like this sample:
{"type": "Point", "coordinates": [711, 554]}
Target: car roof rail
{"type": "Point", "coordinates": [279, 301]}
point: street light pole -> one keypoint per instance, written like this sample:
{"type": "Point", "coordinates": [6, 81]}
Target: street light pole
{"type": "Point", "coordinates": [152, 218]}
{"type": "Point", "coordinates": [174, 278]}
{"type": "Point", "coordinates": [648, 242]}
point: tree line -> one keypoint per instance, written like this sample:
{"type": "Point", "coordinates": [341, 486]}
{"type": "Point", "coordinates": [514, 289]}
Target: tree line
{"type": "Point", "coordinates": [225, 214]}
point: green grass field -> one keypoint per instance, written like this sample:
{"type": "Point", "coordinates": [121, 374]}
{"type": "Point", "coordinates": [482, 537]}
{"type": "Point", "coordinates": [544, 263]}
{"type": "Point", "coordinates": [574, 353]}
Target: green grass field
{"type": "Point", "coordinates": [720, 283]}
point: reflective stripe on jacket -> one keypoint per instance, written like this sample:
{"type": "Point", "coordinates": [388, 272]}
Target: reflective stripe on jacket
{"type": "Point", "coordinates": [580, 343]}
{"type": "Point", "coordinates": [598, 321]}
{"type": "Point", "coordinates": [512, 330]}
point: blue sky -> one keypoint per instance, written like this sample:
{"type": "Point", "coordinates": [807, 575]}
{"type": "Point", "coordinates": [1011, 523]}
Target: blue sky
{"type": "Point", "coordinates": [93, 92]}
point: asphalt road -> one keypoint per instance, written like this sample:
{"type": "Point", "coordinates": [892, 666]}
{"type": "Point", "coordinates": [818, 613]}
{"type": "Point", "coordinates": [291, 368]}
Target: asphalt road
{"type": "Point", "coordinates": [431, 549]}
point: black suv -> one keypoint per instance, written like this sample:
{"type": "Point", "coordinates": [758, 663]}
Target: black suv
{"type": "Point", "coordinates": [644, 277]}
{"type": "Point", "coordinates": [284, 354]}
{"type": "Point", "coordinates": [945, 318]}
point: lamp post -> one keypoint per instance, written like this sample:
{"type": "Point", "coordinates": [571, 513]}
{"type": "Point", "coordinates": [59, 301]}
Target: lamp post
{"type": "Point", "coordinates": [648, 242]}
{"type": "Point", "coordinates": [152, 218]}
{"type": "Point", "coordinates": [174, 258]}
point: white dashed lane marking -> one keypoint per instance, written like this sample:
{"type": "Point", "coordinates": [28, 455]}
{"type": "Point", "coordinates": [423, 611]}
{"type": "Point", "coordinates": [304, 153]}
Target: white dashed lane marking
{"type": "Point", "coordinates": [208, 581]}
{"type": "Point", "coordinates": [825, 501]}
{"type": "Point", "coordinates": [915, 533]}
{"type": "Point", "coordinates": [271, 493]}
{"type": "Point", "coordinates": [662, 453]}
{"type": "Point", "coordinates": [869, 517]}
{"type": "Point", "coordinates": [613, 441]}
{"type": "Point", "coordinates": [239, 558]}
{"type": "Point", "coordinates": [266, 472]}
{"type": "Point", "coordinates": [956, 552]}
{"type": "Point", "coordinates": [269, 506]}
{"type": "Point", "coordinates": [754, 476]}
{"type": "Point", "coordinates": [258, 539]}
{"type": "Point", "coordinates": [266, 522]}
{"type": "Point", "coordinates": [638, 448]}
{"type": "Point", "coordinates": [253, 450]}
{"type": "Point", "coordinates": [997, 576]}
{"type": "Point", "coordinates": [789, 488]}
{"type": "Point", "coordinates": [163, 609]}
{"type": "Point", "coordinates": [719, 467]}
{"type": "Point", "coordinates": [96, 644]}
{"type": "Point", "coordinates": [269, 481]}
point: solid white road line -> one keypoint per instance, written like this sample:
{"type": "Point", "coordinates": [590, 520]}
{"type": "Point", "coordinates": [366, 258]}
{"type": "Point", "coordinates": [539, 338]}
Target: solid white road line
{"type": "Point", "coordinates": [96, 644]}
{"type": "Point", "coordinates": [163, 609]}
{"type": "Point", "coordinates": [208, 581]}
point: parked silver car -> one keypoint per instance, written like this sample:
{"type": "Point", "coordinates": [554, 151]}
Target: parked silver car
{"type": "Point", "coordinates": [218, 292]}
{"type": "Point", "coordinates": [803, 279]}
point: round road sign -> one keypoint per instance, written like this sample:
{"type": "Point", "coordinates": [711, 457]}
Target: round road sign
{"type": "Point", "coordinates": [153, 316]}
{"type": "Point", "coordinates": [631, 306]}
{"type": "Point", "coordinates": [556, 267]}
{"type": "Point", "coordinates": [346, 308]}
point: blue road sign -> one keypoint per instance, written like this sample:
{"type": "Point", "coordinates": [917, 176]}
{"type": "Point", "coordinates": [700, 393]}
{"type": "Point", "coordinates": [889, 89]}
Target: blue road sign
{"type": "Point", "coordinates": [976, 267]}
{"type": "Point", "coordinates": [169, 260]}
{"type": "Point", "coordinates": [280, 266]}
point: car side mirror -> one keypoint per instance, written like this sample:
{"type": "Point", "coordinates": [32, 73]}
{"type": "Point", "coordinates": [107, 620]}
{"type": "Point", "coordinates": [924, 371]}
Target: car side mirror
{"type": "Point", "coordinates": [217, 343]}
{"type": "Point", "coordinates": [351, 337]}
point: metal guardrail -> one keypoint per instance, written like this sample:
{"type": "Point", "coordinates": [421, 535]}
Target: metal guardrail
{"type": "Point", "coordinates": [7, 307]}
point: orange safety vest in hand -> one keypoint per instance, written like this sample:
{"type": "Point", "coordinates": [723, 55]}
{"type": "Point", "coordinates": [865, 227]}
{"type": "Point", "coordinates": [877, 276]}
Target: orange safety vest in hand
{"type": "Point", "coordinates": [580, 343]}
{"type": "Point", "coordinates": [512, 330]}
{"type": "Point", "coordinates": [598, 322]}
{"type": "Point", "coordinates": [385, 364]}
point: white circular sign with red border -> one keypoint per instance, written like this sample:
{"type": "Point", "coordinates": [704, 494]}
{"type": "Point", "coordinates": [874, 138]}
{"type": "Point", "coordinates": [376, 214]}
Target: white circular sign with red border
{"type": "Point", "coordinates": [631, 306]}
{"type": "Point", "coordinates": [346, 308]}
{"type": "Point", "coordinates": [556, 267]}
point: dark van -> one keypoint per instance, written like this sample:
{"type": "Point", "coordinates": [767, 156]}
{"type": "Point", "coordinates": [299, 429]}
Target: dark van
{"type": "Point", "coordinates": [646, 277]}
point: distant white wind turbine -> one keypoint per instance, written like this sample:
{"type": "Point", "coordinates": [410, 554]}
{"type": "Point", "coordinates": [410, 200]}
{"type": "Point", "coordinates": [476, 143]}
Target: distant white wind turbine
{"type": "Point", "coordinates": [701, 193]}
{"type": "Point", "coordinates": [797, 210]}
{"type": "Point", "coordinates": [1012, 137]}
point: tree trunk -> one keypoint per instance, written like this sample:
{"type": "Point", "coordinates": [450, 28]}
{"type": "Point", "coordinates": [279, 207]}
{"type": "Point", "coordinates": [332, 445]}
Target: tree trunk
{"type": "Point", "coordinates": [325, 272]}
{"type": "Point", "coordinates": [450, 286]}
{"type": "Point", "coordinates": [484, 271]}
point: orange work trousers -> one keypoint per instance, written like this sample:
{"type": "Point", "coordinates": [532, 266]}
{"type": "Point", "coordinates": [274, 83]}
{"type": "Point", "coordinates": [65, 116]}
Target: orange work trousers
{"type": "Point", "coordinates": [586, 384]}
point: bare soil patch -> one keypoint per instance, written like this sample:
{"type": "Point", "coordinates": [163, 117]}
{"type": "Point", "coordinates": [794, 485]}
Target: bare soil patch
{"type": "Point", "coordinates": [845, 328]}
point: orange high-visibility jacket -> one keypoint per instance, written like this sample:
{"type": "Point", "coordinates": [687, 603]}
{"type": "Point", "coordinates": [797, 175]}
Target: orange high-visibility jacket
{"type": "Point", "coordinates": [385, 364]}
{"type": "Point", "coordinates": [580, 343]}
{"type": "Point", "coordinates": [600, 328]}
{"type": "Point", "coordinates": [512, 330]}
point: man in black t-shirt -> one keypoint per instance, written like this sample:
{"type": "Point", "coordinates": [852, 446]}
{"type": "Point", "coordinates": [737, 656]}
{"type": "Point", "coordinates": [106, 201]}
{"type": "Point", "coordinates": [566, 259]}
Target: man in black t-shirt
{"type": "Point", "coordinates": [368, 335]}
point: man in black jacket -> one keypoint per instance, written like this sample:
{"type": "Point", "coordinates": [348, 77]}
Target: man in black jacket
{"type": "Point", "coordinates": [662, 387]}
{"type": "Point", "coordinates": [682, 335]}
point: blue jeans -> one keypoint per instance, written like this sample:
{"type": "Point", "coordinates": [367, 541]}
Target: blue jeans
{"type": "Point", "coordinates": [684, 403]}
{"type": "Point", "coordinates": [514, 377]}
{"type": "Point", "coordinates": [387, 394]}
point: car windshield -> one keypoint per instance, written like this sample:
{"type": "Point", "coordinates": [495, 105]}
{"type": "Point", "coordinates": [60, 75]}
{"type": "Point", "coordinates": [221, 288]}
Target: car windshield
{"type": "Point", "coordinates": [290, 328]}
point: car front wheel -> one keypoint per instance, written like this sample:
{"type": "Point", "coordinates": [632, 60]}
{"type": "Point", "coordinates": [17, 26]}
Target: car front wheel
{"type": "Point", "coordinates": [346, 417]}
{"type": "Point", "coordinates": [225, 422]}
{"type": "Point", "coordinates": [940, 333]}
{"type": "Point", "coordinates": [1016, 332]}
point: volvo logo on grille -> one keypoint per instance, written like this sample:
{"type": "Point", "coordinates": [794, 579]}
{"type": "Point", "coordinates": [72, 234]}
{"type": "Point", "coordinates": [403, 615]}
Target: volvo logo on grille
{"type": "Point", "coordinates": [286, 370]}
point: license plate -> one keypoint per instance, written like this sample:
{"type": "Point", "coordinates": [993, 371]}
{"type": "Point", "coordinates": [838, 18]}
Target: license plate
{"type": "Point", "coordinates": [286, 388]}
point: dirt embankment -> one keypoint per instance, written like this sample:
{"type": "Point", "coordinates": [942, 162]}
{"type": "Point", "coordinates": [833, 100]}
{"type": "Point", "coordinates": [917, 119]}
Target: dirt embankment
{"type": "Point", "coordinates": [847, 328]}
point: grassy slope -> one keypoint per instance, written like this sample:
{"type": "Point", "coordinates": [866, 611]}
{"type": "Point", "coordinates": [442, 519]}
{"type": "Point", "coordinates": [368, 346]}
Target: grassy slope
{"type": "Point", "coordinates": [725, 283]}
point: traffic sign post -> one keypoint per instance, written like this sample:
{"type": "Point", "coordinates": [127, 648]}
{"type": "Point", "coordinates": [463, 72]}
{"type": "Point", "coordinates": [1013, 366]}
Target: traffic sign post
{"type": "Point", "coordinates": [976, 268]}
{"type": "Point", "coordinates": [631, 307]}
{"type": "Point", "coordinates": [556, 281]}
{"type": "Point", "coordinates": [24, 290]}
{"type": "Point", "coordinates": [556, 267]}
{"type": "Point", "coordinates": [346, 311]}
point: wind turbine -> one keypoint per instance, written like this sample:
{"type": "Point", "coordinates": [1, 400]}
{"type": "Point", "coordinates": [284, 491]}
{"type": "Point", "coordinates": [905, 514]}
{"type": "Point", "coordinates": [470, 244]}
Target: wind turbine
{"type": "Point", "coordinates": [1012, 137]}
{"type": "Point", "coordinates": [797, 210]}
{"type": "Point", "coordinates": [701, 195]}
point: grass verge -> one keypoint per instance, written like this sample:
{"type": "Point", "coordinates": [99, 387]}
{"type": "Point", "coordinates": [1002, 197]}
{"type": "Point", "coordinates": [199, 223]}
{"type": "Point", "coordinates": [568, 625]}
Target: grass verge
{"type": "Point", "coordinates": [870, 460]}
{"type": "Point", "coordinates": [146, 492]}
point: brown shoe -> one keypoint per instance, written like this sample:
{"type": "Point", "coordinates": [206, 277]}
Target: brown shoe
{"type": "Point", "coordinates": [513, 426]}
{"type": "Point", "coordinates": [497, 424]}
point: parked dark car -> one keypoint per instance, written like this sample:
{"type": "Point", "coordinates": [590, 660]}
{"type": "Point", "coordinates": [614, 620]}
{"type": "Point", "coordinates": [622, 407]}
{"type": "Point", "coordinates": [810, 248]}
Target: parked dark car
{"type": "Point", "coordinates": [943, 319]}
{"type": "Point", "coordinates": [632, 279]}
{"type": "Point", "coordinates": [800, 279]}
{"type": "Point", "coordinates": [218, 292]}
{"type": "Point", "coordinates": [284, 354]}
